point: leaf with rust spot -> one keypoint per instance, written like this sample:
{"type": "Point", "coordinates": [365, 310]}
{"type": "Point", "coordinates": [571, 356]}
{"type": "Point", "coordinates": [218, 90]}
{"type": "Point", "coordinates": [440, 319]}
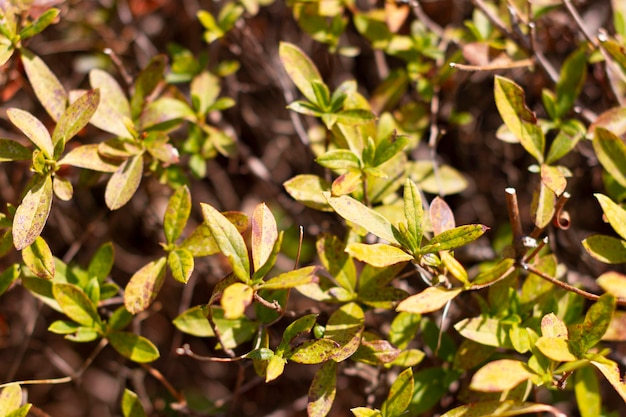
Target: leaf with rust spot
{"type": "Point", "coordinates": [345, 327]}
{"type": "Point", "coordinates": [32, 214]}
{"type": "Point", "coordinates": [144, 286]}
{"type": "Point", "coordinates": [500, 375]}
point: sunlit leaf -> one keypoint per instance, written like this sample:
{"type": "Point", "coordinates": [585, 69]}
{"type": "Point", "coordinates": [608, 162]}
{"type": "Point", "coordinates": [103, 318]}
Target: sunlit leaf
{"type": "Point", "coordinates": [586, 335]}
{"type": "Point", "coordinates": [308, 189]}
{"type": "Point", "coordinates": [113, 107]}
{"type": "Point", "coordinates": [131, 406]}
{"type": "Point", "coordinates": [181, 264]}
{"type": "Point", "coordinates": [607, 249]}
{"type": "Point", "coordinates": [587, 389]}
{"type": "Point", "coordinates": [38, 258]}
{"type": "Point", "coordinates": [502, 409]}
{"type": "Point", "coordinates": [500, 375]}
{"type": "Point", "coordinates": [313, 351]}
{"type": "Point", "coordinates": [88, 157]}
{"type": "Point", "coordinates": [378, 254]}
{"type": "Point", "coordinates": [32, 214]}
{"type": "Point", "coordinates": [542, 205]}
{"type": "Point", "coordinates": [611, 152]}
{"type": "Point", "coordinates": [615, 214]}
{"type": "Point", "coordinates": [134, 347]}
{"type": "Point", "coordinates": [300, 69]}
{"type": "Point", "coordinates": [144, 286]}
{"type": "Point", "coordinates": [33, 128]}
{"type": "Point", "coordinates": [484, 330]}
{"type": "Point", "coordinates": [429, 300]}
{"type": "Point", "coordinates": [76, 116]}
{"type": "Point", "coordinates": [177, 214]}
{"type": "Point", "coordinates": [124, 182]}
{"type": "Point", "coordinates": [553, 178]}
{"type": "Point", "coordinates": [345, 327]}
{"type": "Point", "coordinates": [292, 279]}
{"type": "Point", "coordinates": [76, 305]}
{"type": "Point", "coordinates": [235, 299]}
{"type": "Point", "coordinates": [46, 85]}
{"type": "Point", "coordinates": [454, 238]}
{"type": "Point", "coordinates": [400, 395]}
{"type": "Point", "coordinates": [264, 235]}
{"type": "Point", "coordinates": [10, 397]}
{"type": "Point", "coordinates": [613, 283]}
{"type": "Point", "coordinates": [612, 373]}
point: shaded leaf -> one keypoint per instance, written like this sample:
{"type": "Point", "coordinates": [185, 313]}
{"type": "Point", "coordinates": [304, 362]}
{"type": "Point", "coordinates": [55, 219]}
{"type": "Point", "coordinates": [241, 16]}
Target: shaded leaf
{"type": "Point", "coordinates": [124, 182]}
{"type": "Point", "coordinates": [76, 305]}
{"type": "Point", "coordinates": [339, 159]}
{"type": "Point", "coordinates": [134, 347]}
{"type": "Point", "coordinates": [11, 150]}
{"type": "Point", "coordinates": [46, 85]}
{"type": "Point", "coordinates": [194, 322]}
{"type": "Point", "coordinates": [607, 249]}
{"type": "Point", "coordinates": [33, 128]}
{"type": "Point", "coordinates": [586, 335]}
{"type": "Point", "coordinates": [429, 300]}
{"type": "Point", "coordinates": [38, 258]}
{"type": "Point", "coordinates": [400, 395]}
{"type": "Point", "coordinates": [322, 390]}
{"type": "Point", "coordinates": [379, 254]}
{"type": "Point", "coordinates": [229, 241]}
{"type": "Point", "coordinates": [502, 409]}
{"type": "Point", "coordinates": [611, 152]}
{"type": "Point", "coordinates": [571, 80]}
{"type": "Point", "coordinates": [586, 387]}
{"type": "Point", "coordinates": [145, 83]}
{"type": "Point", "coordinates": [571, 132]}
{"type": "Point", "coordinates": [102, 262]}
{"type": "Point", "coordinates": [8, 277]}
{"type": "Point", "coordinates": [32, 214]}
{"type": "Point", "coordinates": [332, 255]}
{"type": "Point", "coordinates": [144, 286]}
{"type": "Point", "coordinates": [500, 375]}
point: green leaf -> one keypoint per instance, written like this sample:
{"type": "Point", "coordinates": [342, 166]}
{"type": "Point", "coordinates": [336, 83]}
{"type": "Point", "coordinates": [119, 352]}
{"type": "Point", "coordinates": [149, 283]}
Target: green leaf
{"type": "Point", "coordinates": [46, 85]}
{"type": "Point", "coordinates": [322, 94]}
{"type": "Point", "coordinates": [520, 120]}
{"type": "Point", "coordinates": [88, 157]}
{"type": "Point", "coordinates": [454, 238]}
{"type": "Point", "coordinates": [291, 279]}
{"type": "Point", "coordinates": [304, 107]}
{"type": "Point", "coordinates": [120, 318]}
{"type": "Point", "coordinates": [229, 241]}
{"type": "Point", "coordinates": [144, 286]}
{"type": "Point", "coordinates": [34, 130]}
{"type": "Point", "coordinates": [500, 375]}
{"type": "Point", "coordinates": [76, 116]}
{"type": "Point", "coordinates": [275, 368]}
{"type": "Point", "coordinates": [181, 264]}
{"type": "Point", "coordinates": [134, 347]}
{"type": "Point", "coordinates": [587, 389]}
{"type": "Point", "coordinates": [502, 409]}
{"type": "Point", "coordinates": [11, 150]}
{"type": "Point", "coordinates": [404, 328]}
{"type": "Point", "coordinates": [200, 242]}
{"type": "Point", "coordinates": [484, 330]}
{"type": "Point", "coordinates": [76, 305]}
{"type": "Point", "coordinates": [354, 211]}
{"type": "Point", "coordinates": [571, 132]}
{"type": "Point", "coordinates": [429, 300]}
{"type": "Point", "coordinates": [586, 335]}
{"type": "Point", "coordinates": [611, 152]}
{"type": "Point", "coordinates": [8, 277]}
{"type": "Point", "coordinates": [314, 351]}
{"type": "Point", "coordinates": [300, 69]}
{"type": "Point", "coordinates": [378, 254]}
{"type": "Point", "coordinates": [607, 249]}
{"type": "Point", "coordinates": [145, 84]}
{"type": "Point", "coordinates": [235, 299]}
{"type": "Point", "coordinates": [263, 235]}
{"type": "Point", "coordinates": [32, 214]}
{"type": "Point", "coordinates": [38, 258]}
{"type": "Point", "coordinates": [414, 214]}
{"type": "Point", "coordinates": [42, 22]}
{"type": "Point", "coordinates": [615, 214]}
{"type": "Point", "coordinates": [339, 159]}
{"type": "Point", "coordinates": [308, 190]}
{"type": "Point", "coordinates": [345, 327]}
{"type": "Point", "coordinates": [322, 390]}
{"type": "Point", "coordinates": [194, 322]}
{"type": "Point", "coordinates": [102, 262]}
{"type": "Point", "coordinates": [388, 148]}
{"type": "Point", "coordinates": [113, 107]}
{"type": "Point", "coordinates": [64, 327]}
{"type": "Point", "coordinates": [571, 80]}
{"type": "Point", "coordinates": [131, 406]}
{"type": "Point", "coordinates": [124, 182]}
{"type": "Point", "coordinates": [400, 395]}
{"type": "Point", "coordinates": [333, 257]}
{"type": "Point", "coordinates": [177, 214]}
{"type": "Point", "coordinates": [260, 354]}
{"type": "Point", "coordinates": [354, 116]}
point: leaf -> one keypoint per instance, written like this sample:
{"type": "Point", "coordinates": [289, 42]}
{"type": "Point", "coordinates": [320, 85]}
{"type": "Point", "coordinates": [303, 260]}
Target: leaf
{"type": "Point", "coordinates": [400, 395]}
{"type": "Point", "coordinates": [454, 238]}
{"type": "Point", "coordinates": [8, 277]}
{"type": "Point", "coordinates": [176, 214]}
{"type": "Point", "coordinates": [607, 249]}
{"type": "Point", "coordinates": [291, 279]}
{"type": "Point", "coordinates": [194, 322]}
{"type": "Point", "coordinates": [354, 211]}
{"type": "Point", "coordinates": [131, 406]}
{"type": "Point", "coordinates": [553, 178]}
{"type": "Point", "coordinates": [571, 132]}
{"type": "Point", "coordinates": [444, 181]}
{"type": "Point", "coordinates": [347, 183]}
{"type": "Point", "coordinates": [32, 214]}
{"type": "Point", "coordinates": [354, 116]}
{"type": "Point", "coordinates": [502, 409]}
{"type": "Point", "coordinates": [102, 262]}
{"type": "Point", "coordinates": [308, 189]}
{"type": "Point", "coordinates": [365, 412]}
{"type": "Point", "coordinates": [586, 335]}
{"type": "Point", "coordinates": [413, 213]}
{"type": "Point", "coordinates": [63, 188]}
{"type": "Point", "coordinates": [200, 242]}
{"type": "Point", "coordinates": [113, 107]}
{"type": "Point", "coordinates": [322, 390]}
{"type": "Point", "coordinates": [11, 150]}
{"type": "Point", "coordinates": [611, 152]}
{"type": "Point", "coordinates": [38, 258]}
{"type": "Point", "coordinates": [520, 120]}
{"type": "Point", "coordinates": [229, 241]}
{"type": "Point", "coordinates": [345, 327]}
{"type": "Point", "coordinates": [76, 116]}
{"type": "Point", "coordinates": [124, 182]}
{"type": "Point", "coordinates": [181, 264]}
{"type": "Point", "coordinates": [552, 326]}
{"type": "Point", "coordinates": [429, 300]}
{"type": "Point", "coordinates": [571, 80]}
{"type": "Point", "coordinates": [615, 214]}
{"type": "Point", "coordinates": [484, 330]}
{"type": "Point", "coordinates": [263, 236]}
{"type": "Point", "coordinates": [34, 130]}
{"type": "Point", "coordinates": [555, 348]}
{"type": "Point", "coordinates": [46, 85]}
{"type": "Point", "coordinates": [314, 351]}
{"type": "Point", "coordinates": [388, 148]}
{"type": "Point", "coordinates": [88, 157]}
{"type": "Point", "coordinates": [587, 391]}
{"type": "Point", "coordinates": [275, 368]}
{"type": "Point", "coordinates": [300, 69]}
{"type": "Point", "coordinates": [144, 286]}
{"type": "Point", "coordinates": [332, 255]}
{"type": "Point", "coordinates": [542, 205]}
{"type": "Point", "coordinates": [613, 283]}
{"type": "Point", "coordinates": [145, 84]}
{"type": "Point", "coordinates": [10, 397]}
{"type": "Point", "coordinates": [134, 347]}
{"type": "Point", "coordinates": [614, 120]}
{"type": "Point", "coordinates": [339, 159]}
{"type": "Point", "coordinates": [76, 305]}
{"type": "Point", "coordinates": [235, 299]}
{"type": "Point", "coordinates": [611, 372]}
{"type": "Point", "coordinates": [441, 216]}
{"type": "Point", "coordinates": [500, 375]}
{"type": "Point", "coordinates": [299, 326]}
{"type": "Point", "coordinates": [378, 255]}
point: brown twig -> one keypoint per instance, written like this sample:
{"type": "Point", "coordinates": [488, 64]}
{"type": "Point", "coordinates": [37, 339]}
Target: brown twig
{"type": "Point", "coordinates": [529, 62]}
{"type": "Point", "coordinates": [516, 222]}
{"type": "Point", "coordinates": [180, 398]}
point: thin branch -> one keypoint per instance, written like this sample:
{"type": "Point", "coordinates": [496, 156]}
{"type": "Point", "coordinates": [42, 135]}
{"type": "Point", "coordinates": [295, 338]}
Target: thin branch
{"type": "Point", "coordinates": [579, 21]}
{"type": "Point", "coordinates": [181, 402]}
{"type": "Point", "coordinates": [425, 19]}
{"type": "Point", "coordinates": [516, 222]}
{"type": "Point", "coordinates": [185, 350]}
{"type": "Point", "coordinates": [523, 63]}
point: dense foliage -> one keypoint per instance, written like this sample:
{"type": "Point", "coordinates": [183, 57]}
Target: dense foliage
{"type": "Point", "coordinates": [312, 207]}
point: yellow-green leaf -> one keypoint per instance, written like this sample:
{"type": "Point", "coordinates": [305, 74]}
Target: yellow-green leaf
{"type": "Point", "coordinates": [615, 214]}
{"type": "Point", "coordinates": [400, 395]}
{"type": "Point", "coordinates": [378, 254]}
{"type": "Point", "coordinates": [181, 264]}
{"type": "Point", "coordinates": [76, 305]}
{"type": "Point", "coordinates": [500, 375]}
{"type": "Point", "coordinates": [300, 69]}
{"type": "Point", "coordinates": [176, 214]}
{"type": "Point", "coordinates": [429, 300]}
{"type": "Point", "coordinates": [611, 152]}
{"type": "Point", "coordinates": [38, 258]}
{"type": "Point", "coordinates": [555, 348]}
{"type": "Point", "coordinates": [345, 327]}
{"type": "Point", "coordinates": [144, 286]}
{"type": "Point", "coordinates": [612, 373]}
{"type": "Point", "coordinates": [322, 390]}
{"type": "Point", "coordinates": [131, 406]}
{"type": "Point", "coordinates": [553, 178]}
{"type": "Point", "coordinates": [587, 389]}
{"type": "Point", "coordinates": [502, 409]}
{"type": "Point", "coordinates": [33, 128]}
{"type": "Point", "coordinates": [113, 107]}
{"type": "Point", "coordinates": [308, 189]}
{"type": "Point", "coordinates": [607, 249]}
{"type": "Point", "coordinates": [76, 116]}
{"type": "Point", "coordinates": [32, 214]}
{"type": "Point", "coordinates": [613, 283]}
{"type": "Point", "coordinates": [292, 279]}
{"type": "Point", "coordinates": [134, 347]}
{"type": "Point", "coordinates": [194, 322]}
{"type": "Point", "coordinates": [88, 157]}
